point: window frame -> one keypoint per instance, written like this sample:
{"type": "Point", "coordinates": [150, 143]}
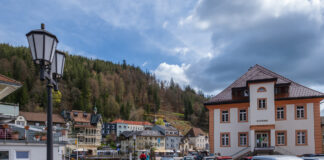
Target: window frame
{"type": "Point", "coordinates": [259, 89]}
{"type": "Point", "coordinates": [239, 114]}
{"type": "Point", "coordinates": [239, 139]}
{"type": "Point", "coordinates": [265, 103]}
{"type": "Point", "coordinates": [229, 116]}
{"type": "Point", "coordinates": [285, 137]}
{"type": "Point", "coordinates": [305, 111]}
{"type": "Point", "coordinates": [306, 138]}
{"type": "Point", "coordinates": [229, 139]}
{"type": "Point", "coordinates": [22, 158]}
{"type": "Point", "coordinates": [284, 113]}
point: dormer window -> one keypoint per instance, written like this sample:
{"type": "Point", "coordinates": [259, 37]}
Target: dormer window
{"type": "Point", "coordinates": [262, 89]}
{"type": "Point", "coordinates": [246, 93]}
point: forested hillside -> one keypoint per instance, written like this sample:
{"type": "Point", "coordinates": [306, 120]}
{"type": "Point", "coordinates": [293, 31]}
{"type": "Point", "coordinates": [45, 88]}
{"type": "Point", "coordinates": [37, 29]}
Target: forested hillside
{"type": "Point", "coordinates": [117, 90]}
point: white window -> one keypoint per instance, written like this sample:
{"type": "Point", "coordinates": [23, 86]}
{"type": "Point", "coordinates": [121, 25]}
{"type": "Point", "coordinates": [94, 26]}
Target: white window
{"type": "Point", "coordinates": [262, 103]}
{"type": "Point", "coordinates": [225, 116]}
{"type": "Point", "coordinates": [4, 155]}
{"type": "Point", "coordinates": [301, 137]}
{"type": "Point", "coordinates": [22, 155]}
{"type": "Point", "coordinates": [243, 115]}
{"type": "Point", "coordinates": [281, 138]}
{"type": "Point", "coordinates": [300, 112]}
{"type": "Point", "coordinates": [243, 139]}
{"type": "Point", "coordinates": [225, 139]}
{"type": "Point", "coordinates": [280, 113]}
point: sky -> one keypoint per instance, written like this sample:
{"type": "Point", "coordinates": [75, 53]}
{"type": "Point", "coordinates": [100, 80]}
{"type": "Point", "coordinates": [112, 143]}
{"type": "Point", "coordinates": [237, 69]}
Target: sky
{"type": "Point", "coordinates": [206, 44]}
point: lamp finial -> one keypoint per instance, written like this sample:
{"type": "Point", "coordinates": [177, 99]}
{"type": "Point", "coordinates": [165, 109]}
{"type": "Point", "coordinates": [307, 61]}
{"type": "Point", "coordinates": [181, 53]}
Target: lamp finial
{"type": "Point", "coordinates": [42, 26]}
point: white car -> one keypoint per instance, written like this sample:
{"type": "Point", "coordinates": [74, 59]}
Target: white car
{"type": "Point", "coordinates": [276, 157]}
{"type": "Point", "coordinates": [188, 158]}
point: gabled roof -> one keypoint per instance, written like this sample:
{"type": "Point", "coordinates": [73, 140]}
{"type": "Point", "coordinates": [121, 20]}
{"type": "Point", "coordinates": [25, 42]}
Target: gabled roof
{"type": "Point", "coordinates": [132, 122]}
{"type": "Point", "coordinates": [7, 80]}
{"type": "Point", "coordinates": [257, 73]}
{"type": "Point", "coordinates": [7, 86]}
{"type": "Point", "coordinates": [40, 117]}
{"type": "Point", "coordinates": [194, 132]}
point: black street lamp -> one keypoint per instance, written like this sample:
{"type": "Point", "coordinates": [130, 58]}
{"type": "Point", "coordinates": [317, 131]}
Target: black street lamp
{"type": "Point", "coordinates": [42, 45]}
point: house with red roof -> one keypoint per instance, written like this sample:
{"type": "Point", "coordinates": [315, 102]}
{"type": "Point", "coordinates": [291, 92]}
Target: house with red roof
{"type": "Point", "coordinates": [263, 111]}
{"type": "Point", "coordinates": [124, 125]}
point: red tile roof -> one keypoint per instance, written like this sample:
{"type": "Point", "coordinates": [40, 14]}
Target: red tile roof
{"type": "Point", "coordinates": [132, 122]}
{"type": "Point", "coordinates": [194, 132]}
{"type": "Point", "coordinates": [258, 72]}
{"type": "Point", "coordinates": [5, 79]}
{"type": "Point", "coordinates": [40, 117]}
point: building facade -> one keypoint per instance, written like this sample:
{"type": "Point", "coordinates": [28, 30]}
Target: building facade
{"type": "Point", "coordinates": [264, 110]}
{"type": "Point", "coordinates": [172, 136]}
{"type": "Point", "coordinates": [143, 140]}
{"type": "Point", "coordinates": [123, 125]}
{"type": "Point", "coordinates": [85, 130]}
{"type": "Point", "coordinates": [198, 138]}
{"type": "Point", "coordinates": [108, 128]}
{"type": "Point", "coordinates": [38, 119]}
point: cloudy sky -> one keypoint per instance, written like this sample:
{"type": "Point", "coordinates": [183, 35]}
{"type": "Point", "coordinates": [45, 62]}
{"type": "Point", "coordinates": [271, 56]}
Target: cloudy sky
{"type": "Point", "coordinates": [206, 44]}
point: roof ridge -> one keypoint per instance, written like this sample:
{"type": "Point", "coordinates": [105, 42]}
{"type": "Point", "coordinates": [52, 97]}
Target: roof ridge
{"type": "Point", "coordinates": [291, 81]}
{"type": "Point", "coordinates": [15, 81]}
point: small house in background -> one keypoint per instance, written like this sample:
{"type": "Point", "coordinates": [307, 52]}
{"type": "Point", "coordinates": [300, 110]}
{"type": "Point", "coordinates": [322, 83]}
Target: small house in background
{"type": "Point", "coordinates": [172, 136]}
{"type": "Point", "coordinates": [124, 125]}
{"type": "Point", "coordinates": [38, 119]}
{"type": "Point", "coordinates": [85, 129]}
{"type": "Point", "coordinates": [198, 138]}
{"type": "Point", "coordinates": [185, 146]}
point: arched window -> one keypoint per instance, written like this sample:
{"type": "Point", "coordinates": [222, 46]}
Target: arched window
{"type": "Point", "coordinates": [262, 89]}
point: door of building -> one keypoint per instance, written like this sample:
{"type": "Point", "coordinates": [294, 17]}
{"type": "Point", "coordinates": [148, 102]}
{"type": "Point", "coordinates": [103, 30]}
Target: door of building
{"type": "Point", "coordinates": [262, 139]}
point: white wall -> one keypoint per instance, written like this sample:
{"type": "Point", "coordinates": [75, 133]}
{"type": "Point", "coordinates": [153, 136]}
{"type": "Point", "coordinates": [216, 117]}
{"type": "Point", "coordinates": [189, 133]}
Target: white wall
{"type": "Point", "coordinates": [291, 125]}
{"type": "Point", "coordinates": [234, 127]}
{"type": "Point", "coordinates": [266, 116]}
{"type": "Point", "coordinates": [36, 151]}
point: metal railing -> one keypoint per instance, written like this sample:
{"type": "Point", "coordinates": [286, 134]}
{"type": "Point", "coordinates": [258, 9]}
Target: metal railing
{"type": "Point", "coordinates": [240, 152]}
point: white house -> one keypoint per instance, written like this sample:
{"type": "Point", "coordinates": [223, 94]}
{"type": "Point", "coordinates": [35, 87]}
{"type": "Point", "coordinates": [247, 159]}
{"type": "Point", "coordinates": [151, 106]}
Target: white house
{"type": "Point", "coordinates": [124, 125]}
{"type": "Point", "coordinates": [198, 138]}
{"type": "Point", "coordinates": [265, 111]}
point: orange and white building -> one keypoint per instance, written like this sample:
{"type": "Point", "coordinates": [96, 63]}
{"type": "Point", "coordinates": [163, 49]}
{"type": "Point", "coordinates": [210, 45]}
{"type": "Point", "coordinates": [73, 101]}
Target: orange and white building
{"type": "Point", "coordinates": [263, 110]}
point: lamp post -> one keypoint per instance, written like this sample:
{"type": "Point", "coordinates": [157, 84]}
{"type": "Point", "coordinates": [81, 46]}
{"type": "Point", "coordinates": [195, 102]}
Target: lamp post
{"type": "Point", "coordinates": [134, 138]}
{"type": "Point", "coordinates": [42, 45]}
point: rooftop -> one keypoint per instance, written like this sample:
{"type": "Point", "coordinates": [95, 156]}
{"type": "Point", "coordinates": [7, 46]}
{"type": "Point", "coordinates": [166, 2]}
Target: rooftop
{"type": "Point", "coordinates": [41, 117]}
{"type": "Point", "coordinates": [259, 73]}
{"type": "Point", "coordinates": [7, 80]}
{"type": "Point", "coordinates": [132, 122]}
{"type": "Point", "coordinates": [194, 132]}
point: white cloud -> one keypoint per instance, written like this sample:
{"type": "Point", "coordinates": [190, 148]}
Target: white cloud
{"type": "Point", "coordinates": [165, 24]}
{"type": "Point", "coordinates": [181, 50]}
{"type": "Point", "coordinates": [167, 71]}
{"type": "Point", "coordinates": [144, 64]}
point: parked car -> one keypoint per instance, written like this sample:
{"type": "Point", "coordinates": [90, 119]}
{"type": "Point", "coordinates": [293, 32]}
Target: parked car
{"type": "Point", "coordinates": [223, 158]}
{"type": "Point", "coordinates": [276, 157]}
{"type": "Point", "coordinates": [188, 158]}
{"type": "Point", "coordinates": [209, 158]}
{"type": "Point", "coordinates": [313, 156]}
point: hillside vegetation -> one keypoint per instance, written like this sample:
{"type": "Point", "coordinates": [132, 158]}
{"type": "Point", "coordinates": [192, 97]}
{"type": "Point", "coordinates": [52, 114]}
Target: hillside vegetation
{"type": "Point", "coordinates": [117, 90]}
